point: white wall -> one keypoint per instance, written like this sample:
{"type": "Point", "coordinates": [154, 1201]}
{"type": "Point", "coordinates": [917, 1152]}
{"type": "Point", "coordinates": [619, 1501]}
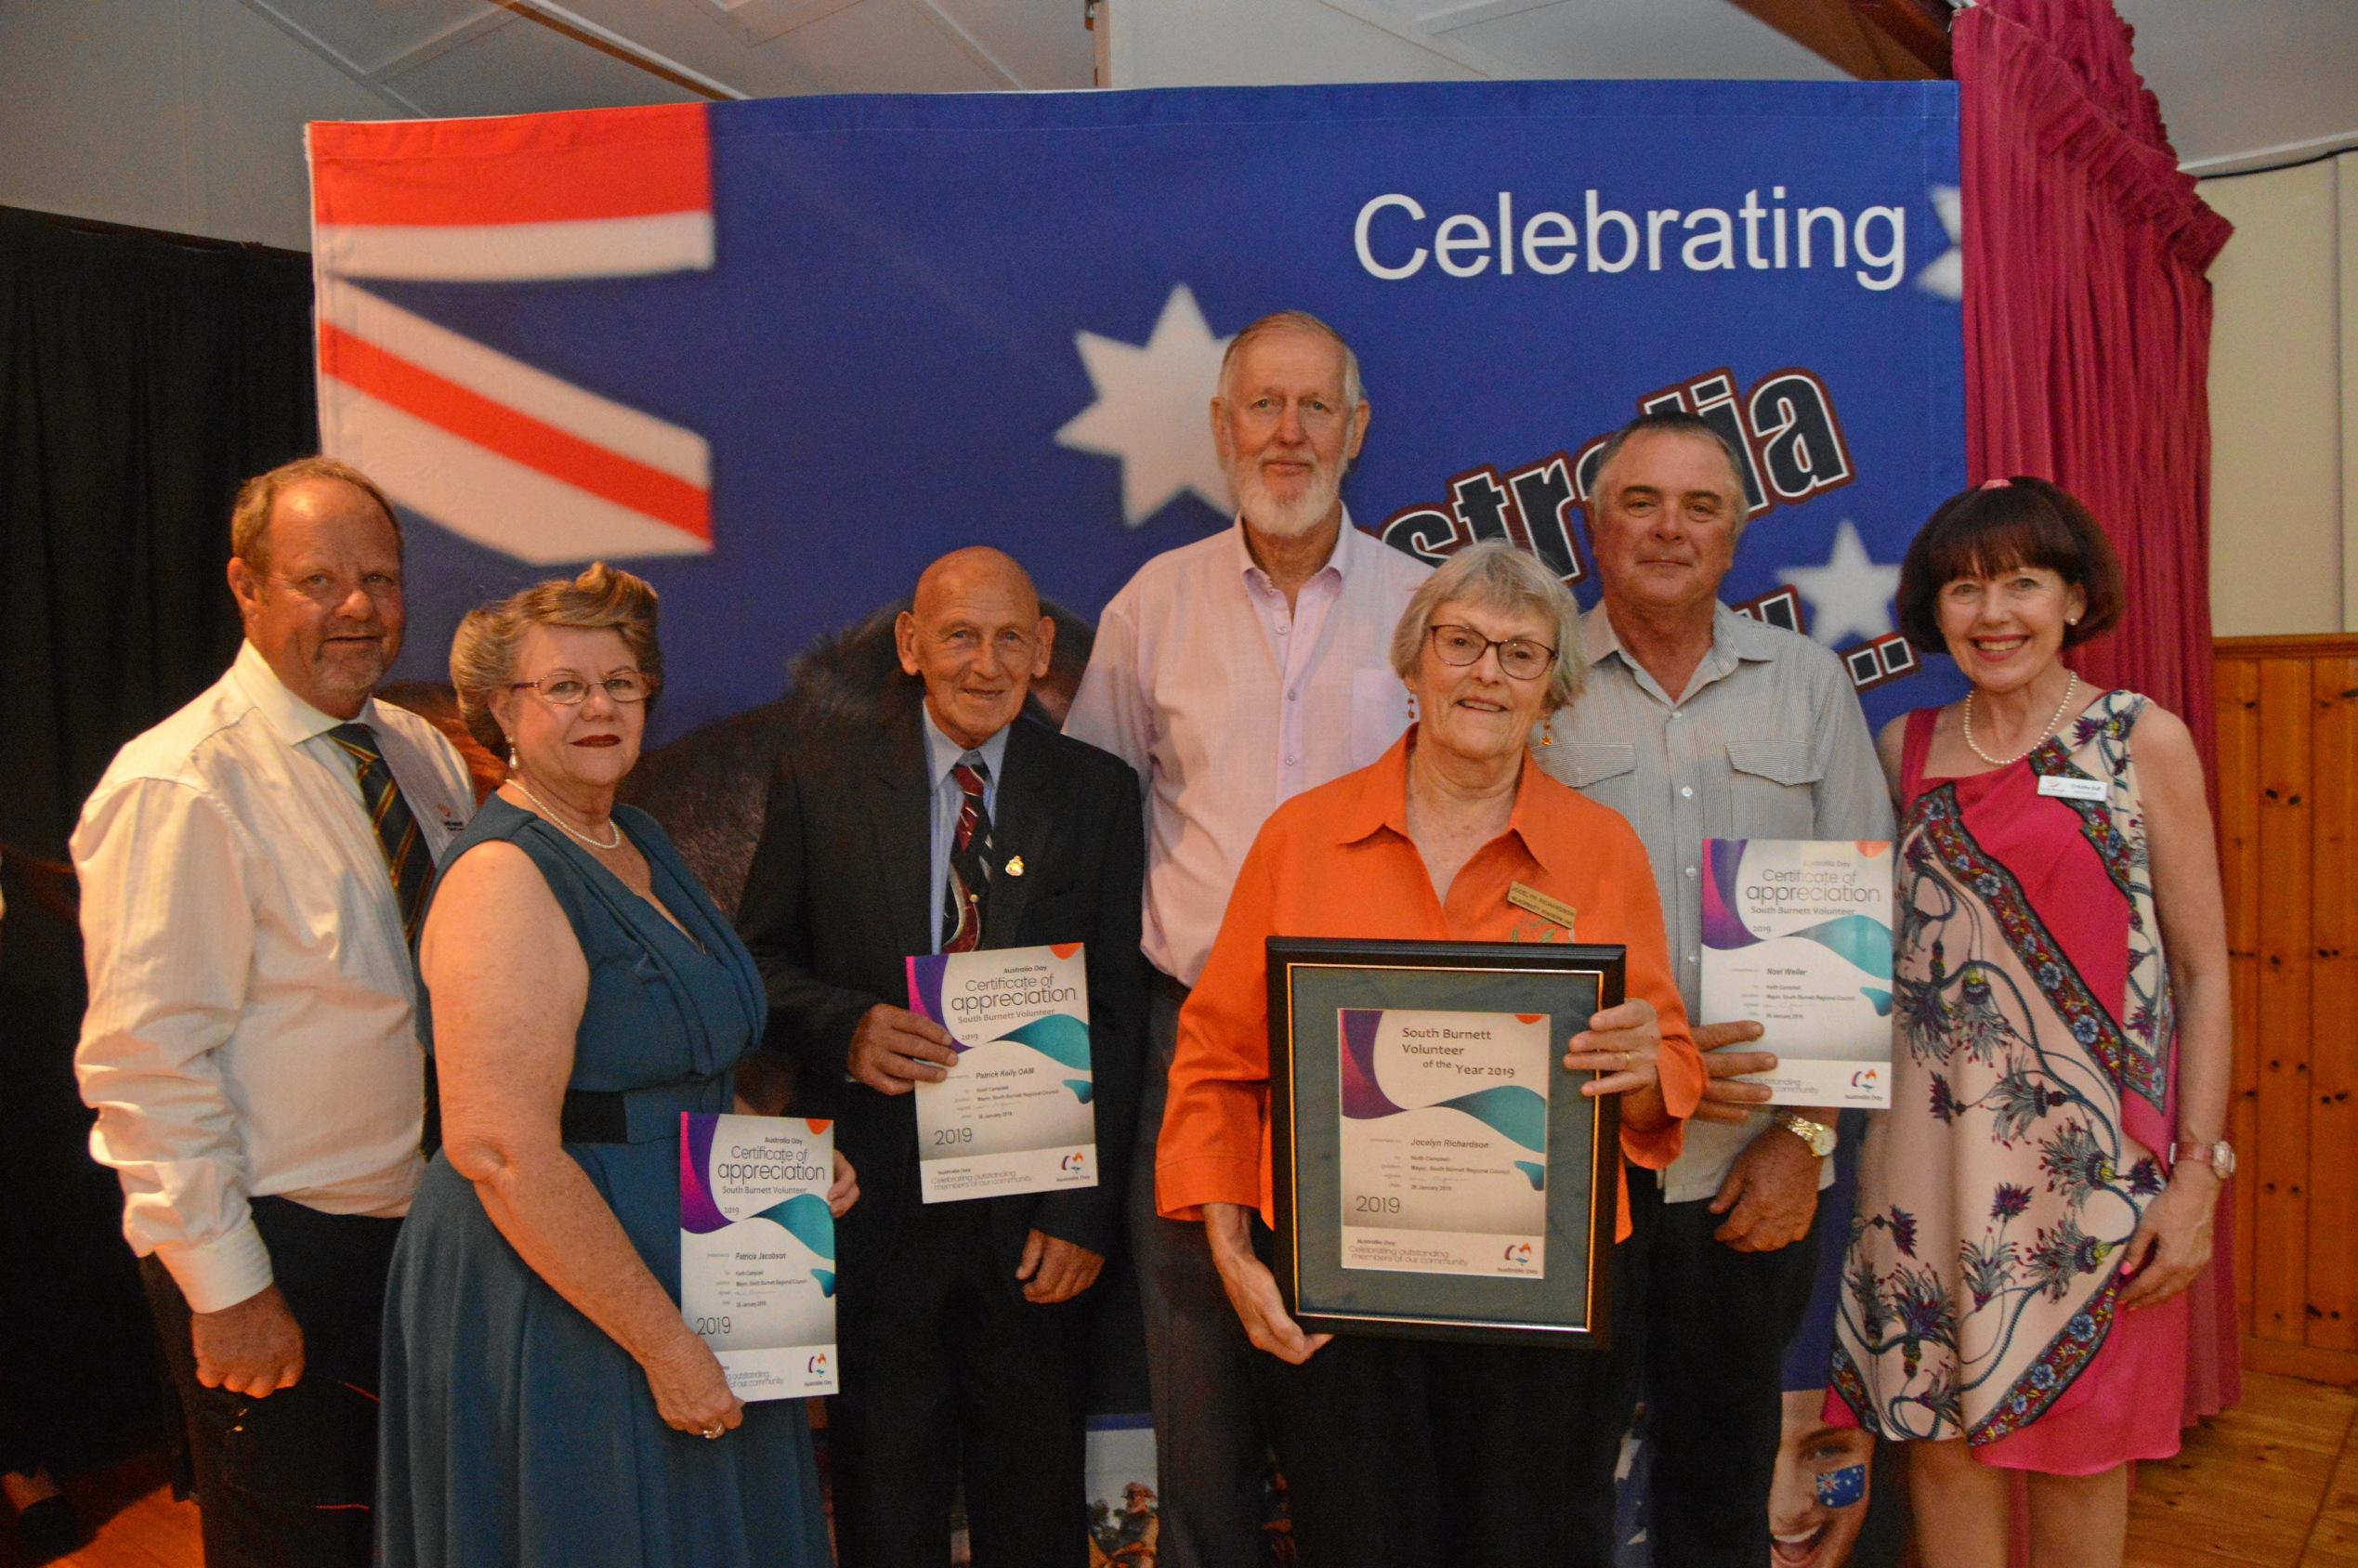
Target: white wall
{"type": "Point", "coordinates": [209, 140]}
{"type": "Point", "coordinates": [1260, 43]}
{"type": "Point", "coordinates": [2284, 403]}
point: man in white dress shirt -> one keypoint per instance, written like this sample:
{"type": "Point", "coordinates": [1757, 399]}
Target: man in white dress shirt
{"type": "Point", "coordinates": [1233, 673]}
{"type": "Point", "coordinates": [249, 870]}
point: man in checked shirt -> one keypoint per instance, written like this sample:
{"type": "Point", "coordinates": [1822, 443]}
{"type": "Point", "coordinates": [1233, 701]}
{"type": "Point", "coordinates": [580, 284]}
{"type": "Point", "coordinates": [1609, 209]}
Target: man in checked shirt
{"type": "Point", "coordinates": [1698, 723]}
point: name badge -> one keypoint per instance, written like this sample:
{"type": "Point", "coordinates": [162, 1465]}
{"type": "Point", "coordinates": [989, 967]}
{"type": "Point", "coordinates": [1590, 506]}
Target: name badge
{"type": "Point", "coordinates": [2071, 788]}
{"type": "Point", "coordinates": [1526, 898]}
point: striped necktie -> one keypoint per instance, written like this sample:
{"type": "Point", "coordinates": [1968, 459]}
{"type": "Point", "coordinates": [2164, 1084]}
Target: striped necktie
{"type": "Point", "coordinates": [395, 827]}
{"type": "Point", "coordinates": [969, 880]}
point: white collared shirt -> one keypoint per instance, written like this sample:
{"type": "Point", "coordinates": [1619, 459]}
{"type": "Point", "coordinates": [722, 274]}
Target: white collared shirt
{"type": "Point", "coordinates": [1228, 704]}
{"type": "Point", "coordinates": [253, 1025]}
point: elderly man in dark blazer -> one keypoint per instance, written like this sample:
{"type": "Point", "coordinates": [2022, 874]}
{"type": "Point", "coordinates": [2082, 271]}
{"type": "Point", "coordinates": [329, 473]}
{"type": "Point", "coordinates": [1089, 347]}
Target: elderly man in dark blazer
{"type": "Point", "coordinates": [959, 1324]}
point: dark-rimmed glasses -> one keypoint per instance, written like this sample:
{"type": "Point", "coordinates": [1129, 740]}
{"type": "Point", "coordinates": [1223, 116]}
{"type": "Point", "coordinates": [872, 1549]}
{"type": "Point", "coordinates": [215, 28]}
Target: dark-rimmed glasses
{"type": "Point", "coordinates": [1461, 645]}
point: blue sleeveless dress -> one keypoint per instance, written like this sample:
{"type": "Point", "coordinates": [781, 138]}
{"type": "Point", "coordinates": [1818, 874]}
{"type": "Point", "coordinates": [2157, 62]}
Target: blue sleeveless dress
{"type": "Point", "coordinates": [514, 1431]}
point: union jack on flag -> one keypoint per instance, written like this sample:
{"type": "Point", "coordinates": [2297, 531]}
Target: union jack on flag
{"type": "Point", "coordinates": [498, 452]}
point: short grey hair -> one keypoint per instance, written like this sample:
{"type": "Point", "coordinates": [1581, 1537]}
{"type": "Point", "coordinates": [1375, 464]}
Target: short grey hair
{"type": "Point", "coordinates": [1497, 576]}
{"type": "Point", "coordinates": [1354, 393]}
{"type": "Point", "coordinates": [1673, 422]}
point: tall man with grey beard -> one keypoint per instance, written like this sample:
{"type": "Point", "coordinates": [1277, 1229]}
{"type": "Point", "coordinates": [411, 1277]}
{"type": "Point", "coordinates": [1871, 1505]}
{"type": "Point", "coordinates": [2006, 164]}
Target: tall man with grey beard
{"type": "Point", "coordinates": [1233, 673]}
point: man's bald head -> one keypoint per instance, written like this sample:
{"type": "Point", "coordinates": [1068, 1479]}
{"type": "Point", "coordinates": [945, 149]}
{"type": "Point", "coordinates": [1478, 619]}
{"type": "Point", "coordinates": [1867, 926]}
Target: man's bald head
{"type": "Point", "coordinates": [977, 566]}
{"type": "Point", "coordinates": [974, 635]}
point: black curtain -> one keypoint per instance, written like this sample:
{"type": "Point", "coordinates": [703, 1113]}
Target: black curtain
{"type": "Point", "coordinates": [142, 377]}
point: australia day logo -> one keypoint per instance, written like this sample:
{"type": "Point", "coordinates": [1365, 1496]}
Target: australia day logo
{"type": "Point", "coordinates": [1075, 1161]}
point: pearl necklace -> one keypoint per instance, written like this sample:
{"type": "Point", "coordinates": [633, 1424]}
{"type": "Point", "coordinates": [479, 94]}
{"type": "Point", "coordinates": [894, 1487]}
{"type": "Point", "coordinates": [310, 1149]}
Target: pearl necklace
{"type": "Point", "coordinates": [2053, 720]}
{"type": "Point", "coordinates": [615, 843]}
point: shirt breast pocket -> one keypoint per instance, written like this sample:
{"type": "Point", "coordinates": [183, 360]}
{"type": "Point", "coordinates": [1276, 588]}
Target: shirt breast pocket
{"type": "Point", "coordinates": [1603, 771]}
{"type": "Point", "coordinates": [1774, 784]}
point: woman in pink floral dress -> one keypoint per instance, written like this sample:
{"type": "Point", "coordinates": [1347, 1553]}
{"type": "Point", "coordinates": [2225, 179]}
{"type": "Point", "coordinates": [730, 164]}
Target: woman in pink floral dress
{"type": "Point", "coordinates": [2041, 1192]}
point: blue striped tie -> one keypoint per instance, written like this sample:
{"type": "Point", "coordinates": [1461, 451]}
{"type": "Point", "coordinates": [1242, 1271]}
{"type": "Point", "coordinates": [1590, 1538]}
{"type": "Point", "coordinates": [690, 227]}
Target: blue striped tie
{"type": "Point", "coordinates": [406, 856]}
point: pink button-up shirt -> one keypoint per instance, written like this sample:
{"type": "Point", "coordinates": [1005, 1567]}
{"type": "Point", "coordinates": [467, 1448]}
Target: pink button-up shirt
{"type": "Point", "coordinates": [1229, 703]}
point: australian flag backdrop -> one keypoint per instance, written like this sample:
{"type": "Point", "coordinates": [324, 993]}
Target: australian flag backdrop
{"type": "Point", "coordinates": [776, 356]}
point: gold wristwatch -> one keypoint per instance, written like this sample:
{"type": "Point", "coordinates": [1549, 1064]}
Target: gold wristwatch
{"type": "Point", "coordinates": [1816, 1135]}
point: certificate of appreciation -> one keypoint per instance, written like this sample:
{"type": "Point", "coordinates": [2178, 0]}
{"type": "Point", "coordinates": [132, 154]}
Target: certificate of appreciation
{"type": "Point", "coordinates": [757, 1249]}
{"type": "Point", "coordinates": [1797, 934]}
{"type": "Point", "coordinates": [1014, 1114]}
{"type": "Point", "coordinates": [1445, 1141]}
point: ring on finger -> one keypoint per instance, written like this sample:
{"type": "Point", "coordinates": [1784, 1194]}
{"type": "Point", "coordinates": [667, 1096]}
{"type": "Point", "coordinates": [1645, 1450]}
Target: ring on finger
{"type": "Point", "coordinates": [709, 1432]}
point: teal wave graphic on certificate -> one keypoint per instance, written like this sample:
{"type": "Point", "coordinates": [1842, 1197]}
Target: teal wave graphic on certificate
{"type": "Point", "coordinates": [1797, 937]}
{"type": "Point", "coordinates": [1018, 1110]}
{"type": "Point", "coordinates": [1444, 1141]}
{"type": "Point", "coordinates": [757, 1249]}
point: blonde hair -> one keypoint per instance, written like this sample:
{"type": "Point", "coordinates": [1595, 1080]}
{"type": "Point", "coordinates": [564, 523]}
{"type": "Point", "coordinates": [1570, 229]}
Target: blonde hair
{"type": "Point", "coordinates": [601, 599]}
{"type": "Point", "coordinates": [250, 514]}
{"type": "Point", "coordinates": [1498, 576]}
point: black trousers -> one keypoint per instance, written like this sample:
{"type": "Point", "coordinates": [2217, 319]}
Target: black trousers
{"type": "Point", "coordinates": [948, 1374]}
{"type": "Point", "coordinates": [1211, 1461]}
{"type": "Point", "coordinates": [1717, 1323]}
{"type": "Point", "coordinates": [286, 1481]}
{"type": "Point", "coordinates": [1414, 1454]}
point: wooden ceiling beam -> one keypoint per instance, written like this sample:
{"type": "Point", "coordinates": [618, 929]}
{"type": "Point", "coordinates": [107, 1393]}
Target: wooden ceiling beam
{"type": "Point", "coordinates": [1873, 40]}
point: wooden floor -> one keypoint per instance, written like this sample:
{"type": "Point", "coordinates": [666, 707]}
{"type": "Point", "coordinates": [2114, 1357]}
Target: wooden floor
{"type": "Point", "coordinates": [2272, 1482]}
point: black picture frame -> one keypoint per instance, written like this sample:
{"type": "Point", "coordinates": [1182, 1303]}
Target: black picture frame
{"type": "Point", "coordinates": [1310, 982]}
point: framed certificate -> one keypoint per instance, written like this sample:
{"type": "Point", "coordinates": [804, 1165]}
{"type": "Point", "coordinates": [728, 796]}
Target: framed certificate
{"type": "Point", "coordinates": [1438, 1173]}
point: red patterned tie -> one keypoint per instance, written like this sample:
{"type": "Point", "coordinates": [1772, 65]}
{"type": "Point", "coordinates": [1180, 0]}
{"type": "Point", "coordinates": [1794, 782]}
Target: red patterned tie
{"type": "Point", "coordinates": [969, 881]}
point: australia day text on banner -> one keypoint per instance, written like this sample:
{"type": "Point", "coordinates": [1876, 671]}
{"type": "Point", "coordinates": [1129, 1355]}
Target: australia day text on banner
{"type": "Point", "coordinates": [778, 355]}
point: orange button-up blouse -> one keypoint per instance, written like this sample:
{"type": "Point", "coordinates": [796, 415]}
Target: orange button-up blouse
{"type": "Point", "coordinates": [1337, 861]}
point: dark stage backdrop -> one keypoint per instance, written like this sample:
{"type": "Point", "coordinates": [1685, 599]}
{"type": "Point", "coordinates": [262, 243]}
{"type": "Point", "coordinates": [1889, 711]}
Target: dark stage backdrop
{"type": "Point", "coordinates": [141, 377]}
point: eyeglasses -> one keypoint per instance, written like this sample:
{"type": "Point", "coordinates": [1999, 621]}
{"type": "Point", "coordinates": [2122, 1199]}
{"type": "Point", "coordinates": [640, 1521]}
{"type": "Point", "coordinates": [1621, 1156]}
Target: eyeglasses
{"type": "Point", "coordinates": [567, 690]}
{"type": "Point", "coordinates": [1519, 657]}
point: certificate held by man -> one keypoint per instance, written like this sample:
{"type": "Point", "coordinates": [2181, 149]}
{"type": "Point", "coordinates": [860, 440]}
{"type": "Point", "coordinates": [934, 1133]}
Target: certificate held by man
{"type": "Point", "coordinates": [1016, 1113]}
{"type": "Point", "coordinates": [757, 1249]}
{"type": "Point", "coordinates": [1797, 934]}
{"type": "Point", "coordinates": [1445, 1141]}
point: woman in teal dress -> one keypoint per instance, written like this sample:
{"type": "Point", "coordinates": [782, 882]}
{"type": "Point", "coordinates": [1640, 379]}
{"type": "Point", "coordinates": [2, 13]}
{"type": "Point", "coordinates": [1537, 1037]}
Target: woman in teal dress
{"type": "Point", "coordinates": [544, 1401]}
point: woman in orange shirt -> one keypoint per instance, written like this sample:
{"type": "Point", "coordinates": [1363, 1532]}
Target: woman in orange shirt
{"type": "Point", "coordinates": [1410, 1452]}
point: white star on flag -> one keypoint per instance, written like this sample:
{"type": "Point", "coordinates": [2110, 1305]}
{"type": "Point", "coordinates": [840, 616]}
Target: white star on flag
{"type": "Point", "coordinates": [1153, 411]}
{"type": "Point", "coordinates": [1849, 593]}
{"type": "Point", "coordinates": [1944, 275]}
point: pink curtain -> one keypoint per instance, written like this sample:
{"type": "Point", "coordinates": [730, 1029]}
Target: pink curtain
{"type": "Point", "coordinates": [2086, 362]}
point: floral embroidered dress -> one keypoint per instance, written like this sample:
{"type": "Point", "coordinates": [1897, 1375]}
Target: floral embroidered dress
{"type": "Point", "coordinates": [2031, 1106]}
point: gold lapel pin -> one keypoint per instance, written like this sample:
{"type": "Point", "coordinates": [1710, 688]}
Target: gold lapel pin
{"type": "Point", "coordinates": [1015, 866]}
